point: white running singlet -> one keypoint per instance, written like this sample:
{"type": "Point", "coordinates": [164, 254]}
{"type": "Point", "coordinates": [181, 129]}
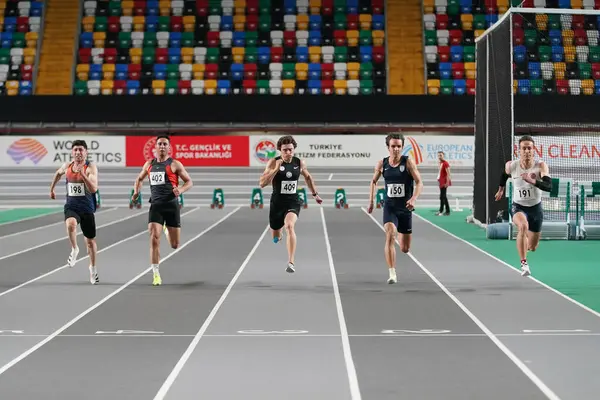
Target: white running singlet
{"type": "Point", "coordinates": [525, 193]}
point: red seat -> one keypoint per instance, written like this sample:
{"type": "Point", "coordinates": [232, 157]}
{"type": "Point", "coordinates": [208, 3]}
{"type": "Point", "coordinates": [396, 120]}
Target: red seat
{"type": "Point", "coordinates": [378, 54]}
{"type": "Point", "coordinates": [110, 55]}
{"type": "Point", "coordinates": [339, 37]}
{"type": "Point", "coordinates": [213, 39]}
{"type": "Point", "coordinates": [134, 71]}
{"type": "Point", "coordinates": [120, 87]}
{"type": "Point", "coordinates": [211, 71]}
{"type": "Point", "coordinates": [251, 8]}
{"type": "Point", "coordinates": [327, 7]}
{"type": "Point", "coordinates": [456, 37]}
{"type": "Point", "coordinates": [276, 54]}
{"type": "Point", "coordinates": [327, 71]}
{"type": "Point", "coordinates": [114, 24]}
{"type": "Point", "coordinates": [176, 24]}
{"type": "Point", "coordinates": [441, 21]}
{"type": "Point", "coordinates": [352, 22]}
{"type": "Point", "coordinates": [562, 86]}
{"type": "Point", "coordinates": [327, 86]}
{"type": "Point", "coordinates": [289, 38]}
{"type": "Point", "coordinates": [444, 53]}
{"type": "Point", "coordinates": [161, 55]}
{"type": "Point", "coordinates": [185, 87]}
{"type": "Point", "coordinates": [139, 8]}
{"type": "Point", "coordinates": [250, 71]}
{"type": "Point", "coordinates": [252, 22]}
{"type": "Point", "coordinates": [471, 86]}
{"type": "Point", "coordinates": [85, 55]}
{"type": "Point", "coordinates": [249, 86]}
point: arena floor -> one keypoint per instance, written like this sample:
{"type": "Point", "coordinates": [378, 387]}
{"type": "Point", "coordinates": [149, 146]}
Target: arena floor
{"type": "Point", "coordinates": [230, 323]}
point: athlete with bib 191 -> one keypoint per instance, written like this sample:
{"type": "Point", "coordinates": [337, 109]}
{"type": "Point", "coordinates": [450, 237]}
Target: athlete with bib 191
{"type": "Point", "coordinates": [283, 172]}
{"type": "Point", "coordinates": [530, 178]}
{"type": "Point", "coordinates": [80, 206]}
{"type": "Point", "coordinates": [163, 173]}
{"type": "Point", "coordinates": [403, 186]}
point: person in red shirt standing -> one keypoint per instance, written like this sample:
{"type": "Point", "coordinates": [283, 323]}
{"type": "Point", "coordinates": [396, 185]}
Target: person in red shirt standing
{"type": "Point", "coordinates": [444, 182]}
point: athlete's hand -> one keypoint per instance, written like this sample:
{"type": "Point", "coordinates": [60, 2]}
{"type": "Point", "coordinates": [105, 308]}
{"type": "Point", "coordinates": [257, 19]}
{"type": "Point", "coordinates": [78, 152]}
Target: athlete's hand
{"type": "Point", "coordinates": [135, 196]}
{"type": "Point", "coordinates": [370, 208]}
{"type": "Point", "coordinates": [318, 199]}
{"type": "Point", "coordinates": [529, 178]}
{"type": "Point", "coordinates": [410, 204]}
{"type": "Point", "coordinates": [499, 193]}
{"type": "Point", "coordinates": [176, 191]}
{"type": "Point", "coordinates": [52, 194]}
{"type": "Point", "coordinates": [278, 163]}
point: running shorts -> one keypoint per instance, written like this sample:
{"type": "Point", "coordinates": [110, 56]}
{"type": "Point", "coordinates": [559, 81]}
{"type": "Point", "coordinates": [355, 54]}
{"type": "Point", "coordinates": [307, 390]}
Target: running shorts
{"type": "Point", "coordinates": [87, 221]}
{"type": "Point", "coordinates": [534, 215]}
{"type": "Point", "coordinates": [279, 209]}
{"type": "Point", "coordinates": [165, 213]}
{"type": "Point", "coordinates": [401, 218]}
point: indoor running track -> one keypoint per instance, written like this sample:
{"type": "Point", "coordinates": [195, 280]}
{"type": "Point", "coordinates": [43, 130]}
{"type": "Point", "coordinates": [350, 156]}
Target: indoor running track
{"type": "Point", "coordinates": [230, 323]}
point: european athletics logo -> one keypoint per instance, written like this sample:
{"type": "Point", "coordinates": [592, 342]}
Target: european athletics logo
{"type": "Point", "coordinates": [413, 149]}
{"type": "Point", "coordinates": [27, 148]}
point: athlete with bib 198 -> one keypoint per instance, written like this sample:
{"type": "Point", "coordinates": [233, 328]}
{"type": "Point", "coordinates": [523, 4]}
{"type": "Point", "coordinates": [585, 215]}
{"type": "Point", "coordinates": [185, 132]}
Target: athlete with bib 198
{"type": "Point", "coordinates": [403, 186]}
{"type": "Point", "coordinates": [82, 185]}
{"type": "Point", "coordinates": [163, 173]}
{"type": "Point", "coordinates": [530, 178]}
{"type": "Point", "coordinates": [283, 172]}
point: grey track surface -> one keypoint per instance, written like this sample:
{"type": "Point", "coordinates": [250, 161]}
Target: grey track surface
{"type": "Point", "coordinates": [277, 335]}
{"type": "Point", "coordinates": [30, 223]}
{"type": "Point", "coordinates": [237, 184]}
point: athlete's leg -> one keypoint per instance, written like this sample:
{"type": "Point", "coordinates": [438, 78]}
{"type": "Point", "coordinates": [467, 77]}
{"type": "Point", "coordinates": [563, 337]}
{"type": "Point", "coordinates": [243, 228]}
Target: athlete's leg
{"type": "Point", "coordinates": [290, 223]}
{"type": "Point", "coordinates": [88, 227]}
{"type": "Point", "coordinates": [155, 228]}
{"type": "Point", "coordinates": [533, 240]}
{"type": "Point", "coordinates": [405, 230]}
{"type": "Point", "coordinates": [535, 219]}
{"type": "Point", "coordinates": [521, 223]}
{"type": "Point", "coordinates": [71, 221]}
{"type": "Point", "coordinates": [276, 221]}
{"type": "Point", "coordinates": [173, 224]}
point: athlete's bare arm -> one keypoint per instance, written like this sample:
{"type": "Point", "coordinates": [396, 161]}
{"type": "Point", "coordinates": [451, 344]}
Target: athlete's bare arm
{"type": "Point", "coordinates": [270, 171]}
{"type": "Point", "coordinates": [414, 172]}
{"type": "Point", "coordinates": [373, 185]}
{"type": "Point", "coordinates": [137, 185]}
{"type": "Point", "coordinates": [503, 179]}
{"type": "Point", "coordinates": [185, 177]}
{"type": "Point", "coordinates": [90, 178]}
{"type": "Point", "coordinates": [309, 181]}
{"type": "Point", "coordinates": [57, 175]}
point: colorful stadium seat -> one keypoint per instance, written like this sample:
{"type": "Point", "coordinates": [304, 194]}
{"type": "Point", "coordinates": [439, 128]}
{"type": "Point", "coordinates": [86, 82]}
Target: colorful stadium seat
{"type": "Point", "coordinates": [553, 53]}
{"type": "Point", "coordinates": [232, 47]}
{"type": "Point", "coordinates": [19, 30]}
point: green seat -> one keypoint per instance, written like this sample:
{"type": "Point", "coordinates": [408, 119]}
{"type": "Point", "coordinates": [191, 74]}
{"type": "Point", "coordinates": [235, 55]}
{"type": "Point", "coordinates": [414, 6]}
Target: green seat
{"type": "Point", "coordinates": [585, 70]}
{"type": "Point", "coordinates": [340, 54]}
{"type": "Point", "coordinates": [251, 38]}
{"type": "Point", "coordinates": [81, 88]}
{"type": "Point", "coordinates": [148, 55]}
{"type": "Point", "coordinates": [264, 7]}
{"type": "Point", "coordinates": [264, 23]}
{"type": "Point", "coordinates": [114, 9]}
{"type": "Point", "coordinates": [536, 86]}
{"type": "Point", "coordinates": [4, 56]}
{"type": "Point", "coordinates": [339, 21]}
{"type": "Point", "coordinates": [172, 87]}
{"type": "Point", "coordinates": [251, 55]}
{"type": "Point", "coordinates": [554, 21]}
{"type": "Point", "coordinates": [365, 38]}
{"type": "Point", "coordinates": [447, 86]}
{"type": "Point", "coordinates": [125, 40]}
{"type": "Point", "coordinates": [430, 38]}
{"type": "Point", "coordinates": [164, 24]}
{"type": "Point", "coordinates": [173, 71]}
{"type": "Point", "coordinates": [594, 55]}
{"type": "Point", "coordinates": [454, 9]}
{"type": "Point", "coordinates": [212, 55]}
{"type": "Point", "coordinates": [262, 86]}
{"type": "Point", "coordinates": [339, 6]}
{"type": "Point", "coordinates": [187, 39]}
{"type": "Point", "coordinates": [100, 24]}
{"type": "Point", "coordinates": [214, 7]}
{"type": "Point", "coordinates": [366, 86]}
{"type": "Point", "coordinates": [149, 39]}
{"type": "Point", "coordinates": [469, 53]}
{"type": "Point", "coordinates": [289, 71]}
{"type": "Point", "coordinates": [18, 39]}
{"type": "Point", "coordinates": [366, 70]}
{"type": "Point", "coordinates": [530, 37]}
{"type": "Point", "coordinates": [545, 53]}
{"type": "Point", "coordinates": [479, 21]}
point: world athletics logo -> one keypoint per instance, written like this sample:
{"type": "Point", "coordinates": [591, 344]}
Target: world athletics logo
{"type": "Point", "coordinates": [27, 148]}
{"type": "Point", "coordinates": [413, 149]}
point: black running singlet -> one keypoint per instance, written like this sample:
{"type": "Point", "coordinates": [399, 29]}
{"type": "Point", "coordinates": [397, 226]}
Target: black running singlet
{"type": "Point", "coordinates": [285, 182]}
{"type": "Point", "coordinates": [162, 181]}
{"type": "Point", "coordinates": [398, 183]}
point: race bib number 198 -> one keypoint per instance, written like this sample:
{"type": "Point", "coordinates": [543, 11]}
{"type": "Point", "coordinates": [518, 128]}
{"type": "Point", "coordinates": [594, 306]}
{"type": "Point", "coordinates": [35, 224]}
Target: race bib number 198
{"type": "Point", "coordinates": [157, 178]}
{"type": "Point", "coordinates": [288, 187]}
{"type": "Point", "coordinates": [395, 190]}
{"type": "Point", "coordinates": [75, 189]}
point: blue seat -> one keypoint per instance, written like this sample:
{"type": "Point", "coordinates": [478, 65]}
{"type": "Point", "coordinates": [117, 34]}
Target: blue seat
{"type": "Point", "coordinates": [456, 53]}
{"type": "Point", "coordinates": [378, 22]}
{"type": "Point", "coordinates": [25, 88]}
{"type": "Point", "coordinates": [152, 8]}
{"type": "Point", "coordinates": [314, 71]}
{"type": "Point", "coordinates": [86, 40]}
{"type": "Point", "coordinates": [133, 87]}
{"type": "Point", "coordinates": [36, 9]}
{"type": "Point", "coordinates": [555, 37]}
{"type": "Point", "coordinates": [557, 54]}
{"type": "Point", "coordinates": [302, 54]}
{"type": "Point", "coordinates": [10, 24]}
{"type": "Point", "coordinates": [239, 39]}
{"type": "Point", "coordinates": [314, 86]}
{"type": "Point", "coordinates": [289, 6]}
{"type": "Point", "coordinates": [445, 70]}
{"type": "Point", "coordinates": [264, 55]}
{"type": "Point", "coordinates": [237, 72]}
{"type": "Point", "coordinates": [227, 23]}
{"type": "Point", "coordinates": [314, 23]}
{"type": "Point", "coordinates": [314, 38]}
{"type": "Point", "coordinates": [223, 86]}
{"type": "Point", "coordinates": [366, 54]}
{"type": "Point", "coordinates": [523, 86]}
{"type": "Point", "coordinates": [174, 55]}
{"type": "Point", "coordinates": [121, 72]}
{"type": "Point", "coordinates": [151, 23]}
{"type": "Point", "coordinates": [175, 40]}
{"type": "Point", "coordinates": [95, 73]}
{"type": "Point", "coordinates": [460, 87]}
{"type": "Point", "coordinates": [160, 71]}
{"type": "Point", "coordinates": [535, 70]}
{"type": "Point", "coordinates": [351, 6]}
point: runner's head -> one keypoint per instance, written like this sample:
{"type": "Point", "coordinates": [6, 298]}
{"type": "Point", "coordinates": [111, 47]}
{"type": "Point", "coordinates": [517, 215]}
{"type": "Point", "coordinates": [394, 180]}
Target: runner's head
{"type": "Point", "coordinates": [163, 146]}
{"type": "Point", "coordinates": [526, 144]}
{"type": "Point", "coordinates": [395, 144]}
{"type": "Point", "coordinates": [286, 145]}
{"type": "Point", "coordinates": [79, 150]}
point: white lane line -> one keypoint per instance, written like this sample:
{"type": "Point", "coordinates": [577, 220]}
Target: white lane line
{"type": "Point", "coordinates": [351, 369]}
{"type": "Point", "coordinates": [23, 355]}
{"type": "Point", "coordinates": [80, 259]}
{"type": "Point", "coordinates": [564, 296]}
{"type": "Point", "coordinates": [529, 373]}
{"type": "Point", "coordinates": [3, 224]}
{"type": "Point", "coordinates": [52, 224]}
{"type": "Point", "coordinates": [65, 237]}
{"type": "Point", "coordinates": [330, 176]}
{"type": "Point", "coordinates": [162, 392]}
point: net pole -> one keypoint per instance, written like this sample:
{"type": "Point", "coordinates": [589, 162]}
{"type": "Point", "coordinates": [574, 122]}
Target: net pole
{"type": "Point", "coordinates": [487, 131]}
{"type": "Point", "coordinates": [512, 90]}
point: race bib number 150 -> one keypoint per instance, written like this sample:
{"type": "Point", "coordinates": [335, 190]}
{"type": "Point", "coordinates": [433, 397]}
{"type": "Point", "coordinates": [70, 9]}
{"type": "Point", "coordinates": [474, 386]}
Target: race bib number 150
{"type": "Point", "coordinates": [395, 190]}
{"type": "Point", "coordinates": [157, 178]}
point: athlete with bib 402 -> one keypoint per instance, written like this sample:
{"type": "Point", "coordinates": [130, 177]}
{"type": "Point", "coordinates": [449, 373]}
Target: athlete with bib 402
{"type": "Point", "coordinates": [530, 178]}
{"type": "Point", "coordinates": [163, 173]}
{"type": "Point", "coordinates": [80, 206]}
{"type": "Point", "coordinates": [403, 186]}
{"type": "Point", "coordinates": [284, 171]}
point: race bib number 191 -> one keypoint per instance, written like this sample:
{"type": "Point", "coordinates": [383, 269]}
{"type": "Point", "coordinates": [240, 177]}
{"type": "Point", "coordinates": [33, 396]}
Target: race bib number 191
{"type": "Point", "coordinates": [157, 178]}
{"type": "Point", "coordinates": [76, 189]}
{"type": "Point", "coordinates": [288, 187]}
{"type": "Point", "coordinates": [395, 190]}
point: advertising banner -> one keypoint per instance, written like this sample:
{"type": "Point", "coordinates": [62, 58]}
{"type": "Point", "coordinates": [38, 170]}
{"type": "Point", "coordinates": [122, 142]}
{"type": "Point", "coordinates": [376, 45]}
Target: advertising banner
{"type": "Point", "coordinates": [192, 151]}
{"type": "Point", "coordinates": [46, 151]}
{"type": "Point", "coordinates": [365, 150]}
{"type": "Point", "coordinates": [565, 151]}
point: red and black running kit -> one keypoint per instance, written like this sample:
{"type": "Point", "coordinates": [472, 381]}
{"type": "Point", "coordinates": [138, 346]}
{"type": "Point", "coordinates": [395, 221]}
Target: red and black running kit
{"type": "Point", "coordinates": [164, 207]}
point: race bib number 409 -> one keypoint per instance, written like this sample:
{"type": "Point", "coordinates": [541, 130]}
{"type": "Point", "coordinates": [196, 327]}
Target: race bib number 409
{"type": "Point", "coordinates": [157, 178]}
{"type": "Point", "coordinates": [395, 190]}
{"type": "Point", "coordinates": [288, 187]}
{"type": "Point", "coordinates": [75, 189]}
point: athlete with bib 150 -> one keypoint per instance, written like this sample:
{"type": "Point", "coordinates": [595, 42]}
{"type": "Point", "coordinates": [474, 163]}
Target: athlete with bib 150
{"type": "Point", "coordinates": [80, 206]}
{"type": "Point", "coordinates": [284, 171]}
{"type": "Point", "coordinates": [164, 173]}
{"type": "Point", "coordinates": [403, 186]}
{"type": "Point", "coordinates": [530, 178]}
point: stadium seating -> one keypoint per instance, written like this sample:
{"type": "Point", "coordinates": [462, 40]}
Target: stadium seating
{"type": "Point", "coordinates": [552, 53]}
{"type": "Point", "coordinates": [232, 47]}
{"type": "Point", "coordinates": [20, 26]}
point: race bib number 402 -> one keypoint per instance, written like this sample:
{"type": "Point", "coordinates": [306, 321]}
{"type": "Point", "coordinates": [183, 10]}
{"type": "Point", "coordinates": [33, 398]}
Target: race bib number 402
{"type": "Point", "coordinates": [288, 187]}
{"type": "Point", "coordinates": [157, 178]}
{"type": "Point", "coordinates": [75, 189]}
{"type": "Point", "coordinates": [395, 190]}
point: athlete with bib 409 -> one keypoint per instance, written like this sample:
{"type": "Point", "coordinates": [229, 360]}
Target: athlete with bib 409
{"type": "Point", "coordinates": [403, 186]}
{"type": "Point", "coordinates": [530, 178]}
{"type": "Point", "coordinates": [284, 171]}
{"type": "Point", "coordinates": [80, 206]}
{"type": "Point", "coordinates": [163, 173]}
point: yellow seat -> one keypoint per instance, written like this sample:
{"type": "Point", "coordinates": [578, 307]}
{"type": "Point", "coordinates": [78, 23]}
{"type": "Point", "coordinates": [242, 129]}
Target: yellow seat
{"type": "Point", "coordinates": [570, 53]}
{"type": "Point", "coordinates": [559, 70]}
{"type": "Point", "coordinates": [187, 55]}
{"type": "Point", "coordinates": [99, 38]}
{"type": "Point", "coordinates": [127, 8]}
{"type": "Point", "coordinates": [158, 87]}
{"type": "Point", "coordinates": [88, 23]}
{"type": "Point", "coordinates": [288, 86]}
{"type": "Point", "coordinates": [314, 54]}
{"type": "Point", "coordinates": [29, 56]}
{"type": "Point", "coordinates": [352, 38]}
{"type": "Point", "coordinates": [428, 6]}
{"type": "Point", "coordinates": [301, 71]}
{"type": "Point", "coordinates": [189, 23]}
{"type": "Point", "coordinates": [238, 54]}
{"type": "Point", "coordinates": [470, 70]}
{"type": "Point", "coordinates": [340, 86]}
{"type": "Point", "coordinates": [31, 39]}
{"type": "Point", "coordinates": [364, 21]}
{"type": "Point", "coordinates": [108, 71]}
{"type": "Point", "coordinates": [302, 22]}
{"type": "Point", "coordinates": [433, 86]}
{"type": "Point", "coordinates": [466, 21]}
{"type": "Point", "coordinates": [353, 70]}
{"type": "Point", "coordinates": [106, 86]}
{"type": "Point", "coordinates": [198, 71]}
{"type": "Point", "coordinates": [139, 23]}
{"type": "Point", "coordinates": [587, 86]}
{"type": "Point", "coordinates": [239, 23]}
{"type": "Point", "coordinates": [239, 7]}
{"type": "Point", "coordinates": [210, 86]}
{"type": "Point", "coordinates": [315, 7]}
{"type": "Point", "coordinates": [378, 38]}
{"type": "Point", "coordinates": [82, 71]}
{"type": "Point", "coordinates": [135, 55]}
